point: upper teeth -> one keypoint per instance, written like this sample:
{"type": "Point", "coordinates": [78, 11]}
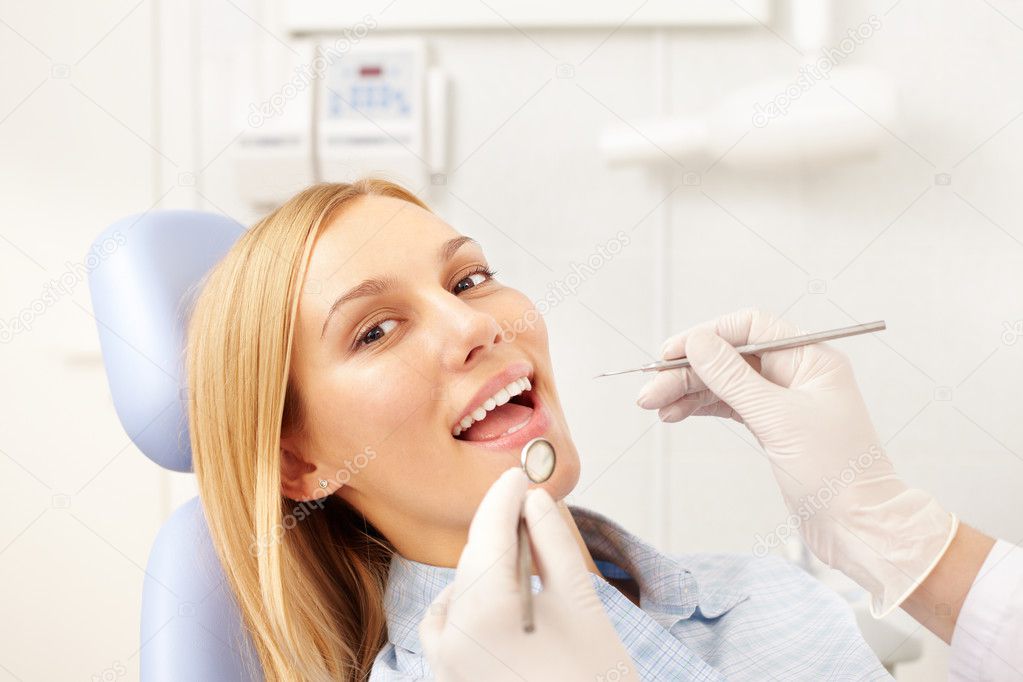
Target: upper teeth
{"type": "Point", "coordinates": [502, 396]}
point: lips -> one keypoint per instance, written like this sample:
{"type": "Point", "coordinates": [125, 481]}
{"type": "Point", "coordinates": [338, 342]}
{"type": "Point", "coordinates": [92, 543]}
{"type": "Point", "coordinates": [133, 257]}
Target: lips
{"type": "Point", "coordinates": [537, 425]}
{"type": "Point", "coordinates": [503, 420]}
{"type": "Point", "coordinates": [513, 372]}
{"type": "Point", "coordinates": [506, 412]}
{"type": "Point", "coordinates": [498, 406]}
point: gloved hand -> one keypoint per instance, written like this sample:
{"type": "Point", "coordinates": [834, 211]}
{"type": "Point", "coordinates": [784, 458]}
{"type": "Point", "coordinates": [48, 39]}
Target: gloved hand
{"type": "Point", "coordinates": [473, 629]}
{"type": "Point", "coordinates": [804, 408]}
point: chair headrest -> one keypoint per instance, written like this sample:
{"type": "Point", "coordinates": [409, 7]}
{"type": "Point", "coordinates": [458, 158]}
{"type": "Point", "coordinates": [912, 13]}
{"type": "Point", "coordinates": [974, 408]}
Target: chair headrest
{"type": "Point", "coordinates": [150, 269]}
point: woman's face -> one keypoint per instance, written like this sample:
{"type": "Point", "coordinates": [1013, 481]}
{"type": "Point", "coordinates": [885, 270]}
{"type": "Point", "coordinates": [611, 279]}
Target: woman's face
{"type": "Point", "coordinates": [401, 333]}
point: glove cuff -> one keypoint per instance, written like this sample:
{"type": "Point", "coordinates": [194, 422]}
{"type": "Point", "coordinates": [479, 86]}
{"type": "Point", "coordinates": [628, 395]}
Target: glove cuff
{"type": "Point", "coordinates": [890, 549]}
{"type": "Point", "coordinates": [882, 605]}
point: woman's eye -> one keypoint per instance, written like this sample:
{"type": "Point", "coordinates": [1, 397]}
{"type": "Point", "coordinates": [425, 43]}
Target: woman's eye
{"type": "Point", "coordinates": [473, 280]}
{"type": "Point", "coordinates": [381, 329]}
{"type": "Point", "coordinates": [377, 331]}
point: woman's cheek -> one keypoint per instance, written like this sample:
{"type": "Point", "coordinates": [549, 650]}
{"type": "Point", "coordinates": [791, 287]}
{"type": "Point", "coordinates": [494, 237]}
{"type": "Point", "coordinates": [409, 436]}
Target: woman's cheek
{"type": "Point", "coordinates": [375, 404]}
{"type": "Point", "coordinates": [521, 320]}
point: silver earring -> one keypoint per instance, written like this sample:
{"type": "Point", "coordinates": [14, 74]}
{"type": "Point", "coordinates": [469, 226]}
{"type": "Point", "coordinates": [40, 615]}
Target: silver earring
{"type": "Point", "coordinates": [323, 483]}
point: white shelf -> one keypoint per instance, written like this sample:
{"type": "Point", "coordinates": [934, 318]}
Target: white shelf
{"type": "Point", "coordinates": [325, 16]}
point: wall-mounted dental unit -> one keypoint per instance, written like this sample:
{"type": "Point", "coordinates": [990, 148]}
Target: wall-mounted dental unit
{"type": "Point", "coordinates": [824, 111]}
{"type": "Point", "coordinates": [354, 107]}
{"type": "Point", "coordinates": [361, 95]}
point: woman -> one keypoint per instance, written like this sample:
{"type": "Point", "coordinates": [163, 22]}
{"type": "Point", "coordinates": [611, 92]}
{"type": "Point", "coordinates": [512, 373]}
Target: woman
{"type": "Point", "coordinates": [353, 399]}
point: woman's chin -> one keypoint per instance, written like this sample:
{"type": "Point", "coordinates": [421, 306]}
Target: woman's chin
{"type": "Point", "coordinates": [566, 475]}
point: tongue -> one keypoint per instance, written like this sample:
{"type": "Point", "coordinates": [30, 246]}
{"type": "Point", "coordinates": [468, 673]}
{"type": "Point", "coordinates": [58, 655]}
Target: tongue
{"type": "Point", "coordinates": [497, 421]}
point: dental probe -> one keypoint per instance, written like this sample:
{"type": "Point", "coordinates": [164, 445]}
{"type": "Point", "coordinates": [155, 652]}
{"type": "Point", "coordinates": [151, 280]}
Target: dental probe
{"type": "Point", "coordinates": [538, 460]}
{"type": "Point", "coordinates": [778, 344]}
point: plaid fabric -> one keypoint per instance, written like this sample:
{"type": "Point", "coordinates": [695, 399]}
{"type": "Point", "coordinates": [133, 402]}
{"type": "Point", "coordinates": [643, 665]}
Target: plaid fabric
{"type": "Point", "coordinates": [701, 616]}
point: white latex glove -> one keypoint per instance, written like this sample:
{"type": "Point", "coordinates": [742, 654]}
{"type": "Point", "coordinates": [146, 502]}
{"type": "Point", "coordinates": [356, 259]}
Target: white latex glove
{"type": "Point", "coordinates": [805, 409]}
{"type": "Point", "coordinates": [473, 629]}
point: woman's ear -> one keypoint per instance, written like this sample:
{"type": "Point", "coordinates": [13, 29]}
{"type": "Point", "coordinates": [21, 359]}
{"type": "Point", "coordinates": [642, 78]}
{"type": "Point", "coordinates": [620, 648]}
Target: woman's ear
{"type": "Point", "coordinates": [298, 481]}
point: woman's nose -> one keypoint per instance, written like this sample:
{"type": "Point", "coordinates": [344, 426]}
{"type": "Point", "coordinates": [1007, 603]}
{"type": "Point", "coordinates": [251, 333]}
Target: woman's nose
{"type": "Point", "coordinates": [468, 334]}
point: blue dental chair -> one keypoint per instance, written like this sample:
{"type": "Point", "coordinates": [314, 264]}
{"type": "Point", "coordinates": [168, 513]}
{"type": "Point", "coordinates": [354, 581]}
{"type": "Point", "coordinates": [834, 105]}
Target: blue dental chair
{"type": "Point", "coordinates": [141, 293]}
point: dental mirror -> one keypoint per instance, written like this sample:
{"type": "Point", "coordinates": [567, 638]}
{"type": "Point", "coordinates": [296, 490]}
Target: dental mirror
{"type": "Point", "coordinates": [538, 459]}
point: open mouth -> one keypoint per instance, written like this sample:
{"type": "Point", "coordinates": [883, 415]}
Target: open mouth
{"type": "Point", "coordinates": [508, 410]}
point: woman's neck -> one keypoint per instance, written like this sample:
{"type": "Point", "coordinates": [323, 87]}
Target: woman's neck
{"type": "Point", "coordinates": [444, 549]}
{"type": "Point", "coordinates": [566, 514]}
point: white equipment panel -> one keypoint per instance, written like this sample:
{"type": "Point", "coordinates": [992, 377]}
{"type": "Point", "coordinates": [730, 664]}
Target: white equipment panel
{"type": "Point", "coordinates": [371, 112]}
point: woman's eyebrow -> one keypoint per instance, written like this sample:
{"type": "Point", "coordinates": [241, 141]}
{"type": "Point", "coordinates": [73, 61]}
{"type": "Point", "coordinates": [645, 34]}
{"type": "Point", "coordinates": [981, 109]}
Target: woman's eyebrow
{"type": "Point", "coordinates": [375, 287]}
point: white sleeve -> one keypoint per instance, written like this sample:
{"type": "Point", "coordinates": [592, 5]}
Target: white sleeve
{"type": "Point", "coordinates": [987, 643]}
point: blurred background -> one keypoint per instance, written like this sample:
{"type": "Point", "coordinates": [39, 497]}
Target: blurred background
{"type": "Point", "coordinates": [639, 167]}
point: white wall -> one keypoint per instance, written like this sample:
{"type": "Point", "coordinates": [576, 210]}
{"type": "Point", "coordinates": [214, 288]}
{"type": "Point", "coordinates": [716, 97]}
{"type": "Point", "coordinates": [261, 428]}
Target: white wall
{"type": "Point", "coordinates": [942, 268]}
{"type": "Point", "coordinates": [80, 505]}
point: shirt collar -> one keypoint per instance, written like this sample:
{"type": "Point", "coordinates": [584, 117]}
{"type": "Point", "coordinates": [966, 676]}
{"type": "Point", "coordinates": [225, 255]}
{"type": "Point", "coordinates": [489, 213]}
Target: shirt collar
{"type": "Point", "coordinates": [665, 587]}
{"type": "Point", "coordinates": [668, 591]}
{"type": "Point", "coordinates": [411, 588]}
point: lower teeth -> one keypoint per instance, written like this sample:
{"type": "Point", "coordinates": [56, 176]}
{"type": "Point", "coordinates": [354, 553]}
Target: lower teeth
{"type": "Point", "coordinates": [512, 430]}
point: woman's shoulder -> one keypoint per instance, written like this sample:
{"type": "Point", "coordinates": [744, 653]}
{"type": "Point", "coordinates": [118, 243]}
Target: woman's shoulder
{"type": "Point", "coordinates": [738, 567]}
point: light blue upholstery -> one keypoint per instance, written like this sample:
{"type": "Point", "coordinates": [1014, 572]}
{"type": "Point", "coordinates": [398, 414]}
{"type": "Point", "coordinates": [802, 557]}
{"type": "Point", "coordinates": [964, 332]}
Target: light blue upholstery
{"type": "Point", "coordinates": [191, 626]}
{"type": "Point", "coordinates": [142, 291]}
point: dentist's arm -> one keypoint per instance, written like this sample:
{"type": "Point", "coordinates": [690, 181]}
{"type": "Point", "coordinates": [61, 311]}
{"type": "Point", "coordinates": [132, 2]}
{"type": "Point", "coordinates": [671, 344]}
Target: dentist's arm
{"type": "Point", "coordinates": [939, 599]}
{"type": "Point", "coordinates": [473, 630]}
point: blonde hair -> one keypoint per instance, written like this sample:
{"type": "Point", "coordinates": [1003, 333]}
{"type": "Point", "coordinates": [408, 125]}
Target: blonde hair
{"type": "Point", "coordinates": [309, 583]}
